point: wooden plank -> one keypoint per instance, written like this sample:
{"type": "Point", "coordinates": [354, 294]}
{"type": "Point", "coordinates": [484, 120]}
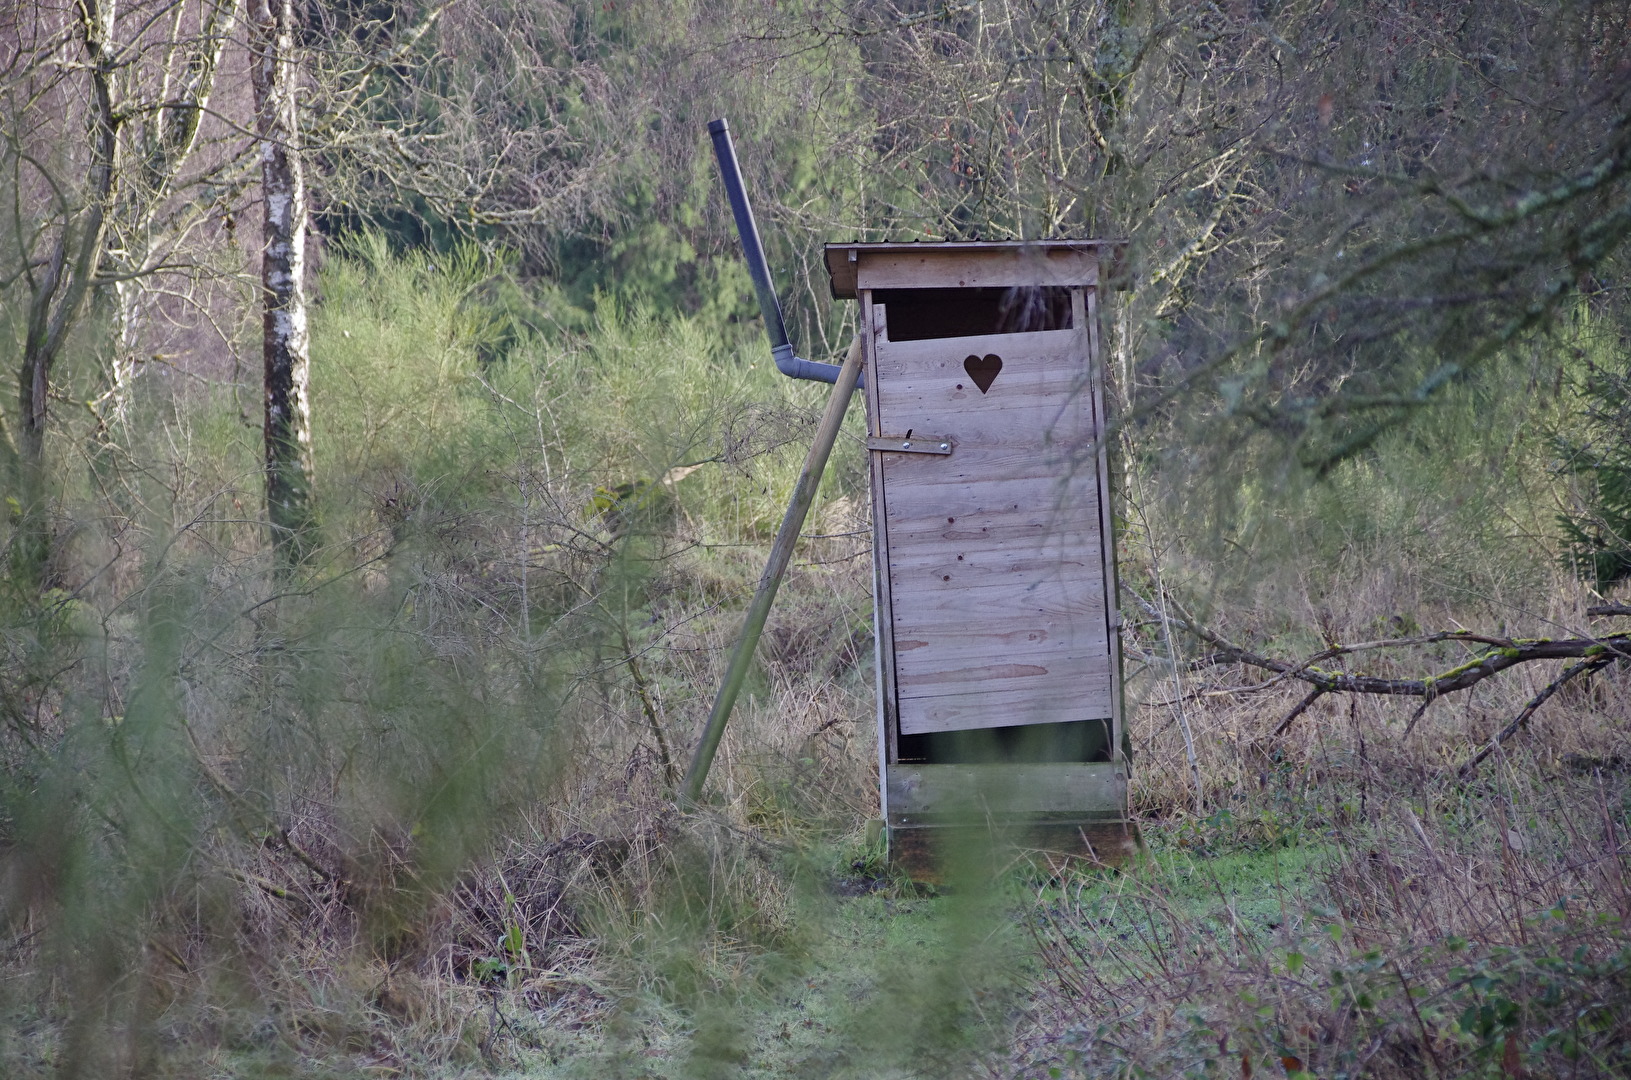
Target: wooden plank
{"type": "Point", "coordinates": [1051, 482]}
{"type": "Point", "coordinates": [938, 654]}
{"type": "Point", "coordinates": [984, 461]}
{"type": "Point", "coordinates": [1035, 499]}
{"type": "Point", "coordinates": [843, 260]}
{"type": "Point", "coordinates": [948, 390]}
{"type": "Point", "coordinates": [925, 645]}
{"type": "Point", "coordinates": [935, 621]}
{"type": "Point", "coordinates": [922, 637]}
{"type": "Point", "coordinates": [959, 524]}
{"type": "Point", "coordinates": [986, 672]}
{"type": "Point", "coordinates": [1083, 696]}
{"type": "Point", "coordinates": [1085, 312]}
{"type": "Point", "coordinates": [935, 599]}
{"type": "Point", "coordinates": [1002, 566]}
{"type": "Point", "coordinates": [1024, 382]}
{"type": "Point", "coordinates": [970, 532]}
{"type": "Point", "coordinates": [883, 624]}
{"type": "Point", "coordinates": [1049, 425]}
{"type": "Point", "coordinates": [1041, 788]}
{"type": "Point", "coordinates": [1044, 487]}
{"type": "Point", "coordinates": [1013, 632]}
{"type": "Point", "coordinates": [1038, 413]}
{"type": "Point", "coordinates": [950, 521]}
{"type": "Point", "coordinates": [1036, 537]}
{"type": "Point", "coordinates": [905, 358]}
{"type": "Point", "coordinates": [938, 387]}
{"type": "Point", "coordinates": [921, 603]}
{"type": "Point", "coordinates": [950, 269]}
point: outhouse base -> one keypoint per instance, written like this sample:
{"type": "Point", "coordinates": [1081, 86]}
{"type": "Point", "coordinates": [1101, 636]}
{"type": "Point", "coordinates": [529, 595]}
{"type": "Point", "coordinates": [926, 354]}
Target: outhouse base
{"type": "Point", "coordinates": [943, 819]}
{"type": "Point", "coordinates": [933, 854]}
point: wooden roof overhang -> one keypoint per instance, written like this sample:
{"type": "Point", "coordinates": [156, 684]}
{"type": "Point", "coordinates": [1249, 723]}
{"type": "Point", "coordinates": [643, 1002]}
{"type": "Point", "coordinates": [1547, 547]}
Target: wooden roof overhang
{"type": "Point", "coordinates": [968, 264]}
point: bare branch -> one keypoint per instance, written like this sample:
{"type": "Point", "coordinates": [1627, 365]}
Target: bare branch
{"type": "Point", "coordinates": [1585, 667]}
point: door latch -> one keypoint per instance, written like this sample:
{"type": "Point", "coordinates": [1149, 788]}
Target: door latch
{"type": "Point", "coordinates": [910, 444]}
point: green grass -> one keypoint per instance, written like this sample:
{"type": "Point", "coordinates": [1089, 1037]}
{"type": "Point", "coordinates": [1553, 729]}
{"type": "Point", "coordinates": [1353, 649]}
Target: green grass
{"type": "Point", "coordinates": [888, 979]}
{"type": "Point", "coordinates": [819, 1018]}
{"type": "Point", "coordinates": [1244, 891]}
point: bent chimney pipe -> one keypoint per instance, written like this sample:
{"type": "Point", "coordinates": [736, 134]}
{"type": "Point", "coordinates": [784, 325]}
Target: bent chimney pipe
{"type": "Point", "coordinates": [752, 250]}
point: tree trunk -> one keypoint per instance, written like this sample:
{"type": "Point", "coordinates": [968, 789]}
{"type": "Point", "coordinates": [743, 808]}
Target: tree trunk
{"type": "Point", "coordinates": [59, 293]}
{"type": "Point", "coordinates": [165, 143]}
{"type": "Point", "coordinates": [283, 264]}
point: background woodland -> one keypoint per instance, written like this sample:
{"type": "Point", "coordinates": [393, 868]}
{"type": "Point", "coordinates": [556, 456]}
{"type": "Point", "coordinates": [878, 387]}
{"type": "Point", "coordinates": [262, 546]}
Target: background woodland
{"type": "Point", "coordinates": [395, 448]}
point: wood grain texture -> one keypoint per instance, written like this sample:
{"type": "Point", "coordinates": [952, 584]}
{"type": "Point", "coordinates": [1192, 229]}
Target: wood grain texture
{"type": "Point", "coordinates": [1085, 316]}
{"type": "Point", "coordinates": [1017, 632]}
{"type": "Point", "coordinates": [985, 672]}
{"type": "Point", "coordinates": [930, 269]}
{"type": "Point", "coordinates": [1075, 692]}
{"type": "Point", "coordinates": [1066, 503]}
{"type": "Point", "coordinates": [1037, 402]}
{"type": "Point", "coordinates": [1044, 566]}
{"type": "Point", "coordinates": [927, 791]}
{"type": "Point", "coordinates": [843, 260]}
{"type": "Point", "coordinates": [995, 564]}
{"type": "Point", "coordinates": [883, 609]}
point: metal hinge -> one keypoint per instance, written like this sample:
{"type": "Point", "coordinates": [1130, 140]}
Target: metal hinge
{"type": "Point", "coordinates": [910, 444]}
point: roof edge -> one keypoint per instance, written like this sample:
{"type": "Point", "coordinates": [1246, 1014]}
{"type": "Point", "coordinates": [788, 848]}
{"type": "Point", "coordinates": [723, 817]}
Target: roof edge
{"type": "Point", "coordinates": [843, 258]}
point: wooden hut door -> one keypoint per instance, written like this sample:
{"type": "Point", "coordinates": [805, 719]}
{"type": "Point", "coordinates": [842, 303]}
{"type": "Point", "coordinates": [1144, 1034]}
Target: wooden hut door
{"type": "Point", "coordinates": [994, 598]}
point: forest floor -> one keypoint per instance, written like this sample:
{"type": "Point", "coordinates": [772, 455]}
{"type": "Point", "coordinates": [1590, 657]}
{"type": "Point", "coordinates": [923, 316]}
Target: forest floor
{"type": "Point", "coordinates": [875, 933]}
{"type": "Point", "coordinates": [1344, 909]}
{"type": "Point", "coordinates": [1344, 929]}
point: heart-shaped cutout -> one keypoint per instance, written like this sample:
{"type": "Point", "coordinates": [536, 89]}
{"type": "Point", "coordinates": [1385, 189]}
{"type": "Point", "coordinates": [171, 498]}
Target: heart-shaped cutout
{"type": "Point", "coordinates": [983, 370]}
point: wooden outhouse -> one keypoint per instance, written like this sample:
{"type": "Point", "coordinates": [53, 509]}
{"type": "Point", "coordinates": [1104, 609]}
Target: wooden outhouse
{"type": "Point", "coordinates": [999, 668]}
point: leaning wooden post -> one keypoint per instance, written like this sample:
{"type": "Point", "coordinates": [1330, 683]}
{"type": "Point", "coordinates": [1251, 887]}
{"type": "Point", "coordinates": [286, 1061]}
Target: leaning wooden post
{"type": "Point", "coordinates": [781, 553]}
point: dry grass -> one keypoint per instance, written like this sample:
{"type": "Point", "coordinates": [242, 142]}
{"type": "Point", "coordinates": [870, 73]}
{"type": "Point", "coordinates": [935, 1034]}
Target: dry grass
{"type": "Point", "coordinates": [1433, 926]}
{"type": "Point", "coordinates": [1403, 922]}
{"type": "Point", "coordinates": [387, 826]}
{"type": "Point", "coordinates": [1447, 932]}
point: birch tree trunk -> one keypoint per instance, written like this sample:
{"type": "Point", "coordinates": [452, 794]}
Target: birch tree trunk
{"type": "Point", "coordinates": [286, 345]}
{"type": "Point", "coordinates": [164, 133]}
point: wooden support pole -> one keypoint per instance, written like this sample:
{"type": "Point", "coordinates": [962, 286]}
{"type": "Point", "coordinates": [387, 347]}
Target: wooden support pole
{"type": "Point", "coordinates": [781, 553]}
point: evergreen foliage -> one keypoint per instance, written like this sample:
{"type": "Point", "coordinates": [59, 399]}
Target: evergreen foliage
{"type": "Point", "coordinates": [1596, 453]}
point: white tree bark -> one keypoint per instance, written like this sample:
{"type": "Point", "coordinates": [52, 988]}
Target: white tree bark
{"type": "Point", "coordinates": [159, 206]}
{"type": "Point", "coordinates": [286, 345]}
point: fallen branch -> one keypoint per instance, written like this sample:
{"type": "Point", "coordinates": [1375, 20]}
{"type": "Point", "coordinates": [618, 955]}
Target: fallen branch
{"type": "Point", "coordinates": [1199, 663]}
{"type": "Point", "coordinates": [1415, 717]}
{"type": "Point", "coordinates": [1584, 667]}
{"type": "Point", "coordinates": [1502, 653]}
{"type": "Point", "coordinates": [1302, 706]}
{"type": "Point", "coordinates": [1594, 654]}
